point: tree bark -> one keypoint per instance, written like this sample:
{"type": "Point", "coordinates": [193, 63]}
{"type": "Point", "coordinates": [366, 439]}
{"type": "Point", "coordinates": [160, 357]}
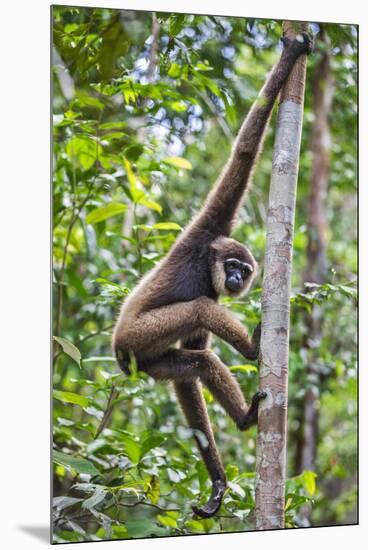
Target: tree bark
{"type": "Point", "coordinates": [271, 441]}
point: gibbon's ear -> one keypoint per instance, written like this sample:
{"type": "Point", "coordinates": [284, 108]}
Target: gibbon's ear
{"type": "Point", "coordinates": [218, 248]}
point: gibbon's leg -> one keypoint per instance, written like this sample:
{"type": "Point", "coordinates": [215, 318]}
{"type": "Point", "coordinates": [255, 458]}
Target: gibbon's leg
{"type": "Point", "coordinates": [195, 411]}
{"type": "Point", "coordinates": [191, 400]}
{"type": "Point", "coordinates": [152, 333]}
{"type": "Point", "coordinates": [186, 366]}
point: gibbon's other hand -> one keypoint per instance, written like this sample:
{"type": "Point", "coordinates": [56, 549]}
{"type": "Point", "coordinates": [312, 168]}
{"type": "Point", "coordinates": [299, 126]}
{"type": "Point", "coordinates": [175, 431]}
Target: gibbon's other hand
{"type": "Point", "coordinates": [303, 42]}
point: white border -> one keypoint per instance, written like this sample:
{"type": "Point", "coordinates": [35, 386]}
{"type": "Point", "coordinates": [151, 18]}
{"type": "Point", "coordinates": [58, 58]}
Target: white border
{"type": "Point", "coordinates": [24, 271]}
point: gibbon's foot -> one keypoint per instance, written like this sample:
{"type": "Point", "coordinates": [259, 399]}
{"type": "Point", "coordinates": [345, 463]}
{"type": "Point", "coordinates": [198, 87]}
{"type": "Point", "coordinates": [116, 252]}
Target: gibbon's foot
{"type": "Point", "coordinates": [251, 418]}
{"type": "Point", "coordinates": [303, 43]}
{"type": "Point", "coordinates": [214, 502]}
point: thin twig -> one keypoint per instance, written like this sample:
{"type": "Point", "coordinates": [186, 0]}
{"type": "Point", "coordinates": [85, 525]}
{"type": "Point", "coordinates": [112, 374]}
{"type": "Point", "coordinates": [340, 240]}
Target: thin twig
{"type": "Point", "coordinates": [108, 411]}
{"type": "Point", "coordinates": [93, 334]}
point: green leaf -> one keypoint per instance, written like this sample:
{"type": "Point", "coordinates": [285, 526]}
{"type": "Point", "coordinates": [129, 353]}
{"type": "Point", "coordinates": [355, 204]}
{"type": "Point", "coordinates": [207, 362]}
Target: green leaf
{"type": "Point", "coordinates": [100, 358]}
{"type": "Point", "coordinates": [178, 162]}
{"type": "Point", "coordinates": [64, 502]}
{"type": "Point", "coordinates": [166, 521]}
{"type": "Point", "coordinates": [179, 106]}
{"type": "Point", "coordinates": [236, 489]}
{"type": "Point", "coordinates": [69, 348]}
{"type": "Point", "coordinates": [133, 152]}
{"type": "Point", "coordinates": [151, 442]}
{"type": "Point", "coordinates": [243, 368]}
{"type": "Point", "coordinates": [231, 471]}
{"type": "Point", "coordinates": [132, 449]}
{"type": "Point", "coordinates": [80, 465]}
{"type": "Point", "coordinates": [144, 527]}
{"type": "Point", "coordinates": [69, 397]}
{"type": "Point", "coordinates": [167, 226]}
{"type": "Point", "coordinates": [84, 150]}
{"type": "Point", "coordinates": [309, 481]}
{"type": "Point", "coordinates": [152, 488]}
{"type": "Point", "coordinates": [194, 525]}
{"type": "Point", "coordinates": [105, 212]}
{"type": "Point", "coordinates": [95, 499]}
{"type": "Point", "coordinates": [202, 67]}
{"type": "Point", "coordinates": [176, 24]}
{"type": "Point", "coordinates": [129, 172]}
{"type": "Point", "coordinates": [174, 71]}
{"type": "Point", "coordinates": [151, 204]}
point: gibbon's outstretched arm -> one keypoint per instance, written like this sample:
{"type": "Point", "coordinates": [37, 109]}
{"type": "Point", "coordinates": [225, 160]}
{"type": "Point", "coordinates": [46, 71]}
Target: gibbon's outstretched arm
{"type": "Point", "coordinates": [223, 201]}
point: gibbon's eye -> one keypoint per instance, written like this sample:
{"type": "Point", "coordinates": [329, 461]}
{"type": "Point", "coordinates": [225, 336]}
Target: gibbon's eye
{"type": "Point", "coordinates": [231, 265]}
{"type": "Point", "coordinates": [246, 270]}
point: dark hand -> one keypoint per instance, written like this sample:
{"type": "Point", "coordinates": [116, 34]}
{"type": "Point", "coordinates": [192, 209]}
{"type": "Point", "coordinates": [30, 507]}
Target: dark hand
{"type": "Point", "coordinates": [214, 502]}
{"type": "Point", "coordinates": [251, 417]}
{"type": "Point", "coordinates": [300, 46]}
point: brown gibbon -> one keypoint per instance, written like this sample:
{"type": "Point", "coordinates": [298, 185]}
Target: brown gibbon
{"type": "Point", "coordinates": [177, 300]}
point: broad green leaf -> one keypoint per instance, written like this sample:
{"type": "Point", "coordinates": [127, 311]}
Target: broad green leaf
{"type": "Point", "coordinates": [194, 525]}
{"type": "Point", "coordinates": [153, 205]}
{"type": "Point", "coordinates": [166, 521]}
{"type": "Point", "coordinates": [132, 449]}
{"type": "Point", "coordinates": [176, 24]}
{"type": "Point", "coordinates": [133, 152]}
{"type": "Point", "coordinates": [174, 71]}
{"type": "Point", "coordinates": [80, 465]}
{"type": "Point", "coordinates": [69, 348]}
{"type": "Point", "coordinates": [231, 471]}
{"type": "Point", "coordinates": [151, 442]}
{"type": "Point", "coordinates": [143, 527]}
{"type": "Point", "coordinates": [113, 125]}
{"type": "Point", "coordinates": [309, 481]}
{"type": "Point", "coordinates": [202, 67]}
{"type": "Point", "coordinates": [105, 212]}
{"type": "Point", "coordinates": [167, 226]}
{"type": "Point", "coordinates": [243, 368]}
{"type": "Point", "coordinates": [84, 150]}
{"type": "Point", "coordinates": [178, 162]}
{"type": "Point", "coordinates": [69, 397]}
{"type": "Point", "coordinates": [179, 106]}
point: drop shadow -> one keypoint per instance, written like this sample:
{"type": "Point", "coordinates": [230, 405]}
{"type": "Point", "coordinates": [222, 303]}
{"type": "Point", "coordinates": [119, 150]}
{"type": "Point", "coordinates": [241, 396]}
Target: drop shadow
{"type": "Point", "coordinates": [40, 532]}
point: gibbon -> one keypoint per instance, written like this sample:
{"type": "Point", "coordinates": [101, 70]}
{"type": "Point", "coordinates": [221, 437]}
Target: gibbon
{"type": "Point", "coordinates": [177, 300]}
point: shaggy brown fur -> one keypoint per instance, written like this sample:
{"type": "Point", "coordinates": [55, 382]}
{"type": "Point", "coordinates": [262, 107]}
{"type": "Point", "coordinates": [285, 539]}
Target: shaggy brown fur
{"type": "Point", "coordinates": [177, 300]}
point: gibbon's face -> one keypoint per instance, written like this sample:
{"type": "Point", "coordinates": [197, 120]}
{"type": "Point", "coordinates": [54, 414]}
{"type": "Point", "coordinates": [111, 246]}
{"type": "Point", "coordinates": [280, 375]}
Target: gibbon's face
{"type": "Point", "coordinates": [237, 275]}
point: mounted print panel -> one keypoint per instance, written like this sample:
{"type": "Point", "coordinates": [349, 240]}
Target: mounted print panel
{"type": "Point", "coordinates": [204, 203]}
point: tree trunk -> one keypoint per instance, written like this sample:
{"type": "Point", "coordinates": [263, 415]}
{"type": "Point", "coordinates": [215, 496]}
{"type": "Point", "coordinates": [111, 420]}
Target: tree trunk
{"type": "Point", "coordinates": [316, 269]}
{"type": "Point", "coordinates": [271, 442]}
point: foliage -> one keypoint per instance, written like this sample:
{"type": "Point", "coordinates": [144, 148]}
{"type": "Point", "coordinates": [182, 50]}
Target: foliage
{"type": "Point", "coordinates": [137, 142]}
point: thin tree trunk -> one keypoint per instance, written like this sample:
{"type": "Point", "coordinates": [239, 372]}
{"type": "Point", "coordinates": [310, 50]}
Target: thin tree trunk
{"type": "Point", "coordinates": [271, 442]}
{"type": "Point", "coordinates": [316, 269]}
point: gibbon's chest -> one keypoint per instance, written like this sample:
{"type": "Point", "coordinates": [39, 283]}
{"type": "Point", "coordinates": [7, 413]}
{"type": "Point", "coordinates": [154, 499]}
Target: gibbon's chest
{"type": "Point", "coordinates": [191, 276]}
